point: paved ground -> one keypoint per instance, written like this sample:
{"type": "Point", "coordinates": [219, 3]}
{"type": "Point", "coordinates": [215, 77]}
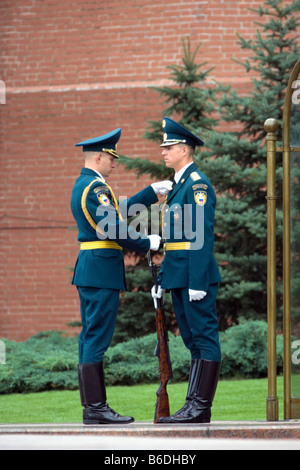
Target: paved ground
{"type": "Point", "coordinates": [147, 436]}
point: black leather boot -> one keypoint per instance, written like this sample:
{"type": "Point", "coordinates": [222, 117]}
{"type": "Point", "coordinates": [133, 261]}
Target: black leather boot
{"type": "Point", "coordinates": [93, 397]}
{"type": "Point", "coordinates": [82, 399]}
{"type": "Point", "coordinates": [192, 386]}
{"type": "Point", "coordinates": [203, 382]}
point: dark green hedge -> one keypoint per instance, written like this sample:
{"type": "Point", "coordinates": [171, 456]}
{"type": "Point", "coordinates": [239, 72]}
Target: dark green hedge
{"type": "Point", "coordinates": [48, 361]}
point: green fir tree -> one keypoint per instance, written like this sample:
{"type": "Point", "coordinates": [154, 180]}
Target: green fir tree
{"type": "Point", "coordinates": [235, 159]}
{"type": "Point", "coordinates": [194, 100]}
{"type": "Point", "coordinates": [191, 99]}
{"type": "Point", "coordinates": [238, 163]}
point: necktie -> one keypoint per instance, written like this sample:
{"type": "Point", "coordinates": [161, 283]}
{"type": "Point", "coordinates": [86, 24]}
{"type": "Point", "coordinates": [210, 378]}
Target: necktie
{"type": "Point", "coordinates": [173, 185]}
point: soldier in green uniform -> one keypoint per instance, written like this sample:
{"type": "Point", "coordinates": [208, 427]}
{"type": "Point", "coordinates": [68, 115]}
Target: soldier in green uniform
{"type": "Point", "coordinates": [99, 271]}
{"type": "Point", "coordinates": [190, 271]}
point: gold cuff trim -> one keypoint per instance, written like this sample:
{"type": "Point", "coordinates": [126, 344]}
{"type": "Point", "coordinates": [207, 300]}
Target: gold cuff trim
{"type": "Point", "coordinates": [177, 246]}
{"type": "Point", "coordinates": [101, 244]}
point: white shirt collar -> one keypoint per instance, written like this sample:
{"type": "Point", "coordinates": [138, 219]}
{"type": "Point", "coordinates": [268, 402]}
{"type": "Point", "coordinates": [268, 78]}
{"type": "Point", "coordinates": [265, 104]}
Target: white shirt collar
{"type": "Point", "coordinates": [99, 175]}
{"type": "Point", "coordinates": [180, 172]}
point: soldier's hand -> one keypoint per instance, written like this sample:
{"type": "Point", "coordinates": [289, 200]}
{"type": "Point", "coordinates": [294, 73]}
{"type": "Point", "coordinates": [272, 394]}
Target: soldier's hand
{"type": "Point", "coordinates": [196, 294]}
{"type": "Point", "coordinates": [163, 187]}
{"type": "Point", "coordinates": [157, 293]}
{"type": "Point", "coordinates": [154, 242]}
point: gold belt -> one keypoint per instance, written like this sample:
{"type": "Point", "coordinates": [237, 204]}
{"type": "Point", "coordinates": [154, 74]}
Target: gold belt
{"type": "Point", "coordinates": [177, 246]}
{"type": "Point", "coordinates": [101, 244]}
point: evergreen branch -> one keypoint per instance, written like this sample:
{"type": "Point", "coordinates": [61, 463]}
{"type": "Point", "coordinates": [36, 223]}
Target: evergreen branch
{"type": "Point", "coordinates": [143, 166]}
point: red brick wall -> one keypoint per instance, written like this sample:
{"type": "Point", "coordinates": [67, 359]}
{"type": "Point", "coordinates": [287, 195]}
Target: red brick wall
{"type": "Point", "coordinates": [74, 70]}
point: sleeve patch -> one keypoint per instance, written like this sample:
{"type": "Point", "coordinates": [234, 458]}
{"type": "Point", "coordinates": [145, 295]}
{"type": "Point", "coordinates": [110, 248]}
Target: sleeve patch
{"type": "Point", "coordinates": [200, 197]}
{"type": "Point", "coordinates": [200, 186]}
{"type": "Point", "coordinates": [103, 199]}
{"type": "Point", "coordinates": [101, 189]}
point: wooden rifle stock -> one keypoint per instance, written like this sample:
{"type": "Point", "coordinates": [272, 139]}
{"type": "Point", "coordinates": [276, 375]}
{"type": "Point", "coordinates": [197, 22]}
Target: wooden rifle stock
{"type": "Point", "coordinates": [162, 408]}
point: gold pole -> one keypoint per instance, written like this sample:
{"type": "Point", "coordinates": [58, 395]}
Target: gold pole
{"type": "Point", "coordinates": [286, 149]}
{"type": "Point", "coordinates": [271, 127]}
{"type": "Point", "coordinates": [286, 283]}
{"type": "Point", "coordinates": [287, 245]}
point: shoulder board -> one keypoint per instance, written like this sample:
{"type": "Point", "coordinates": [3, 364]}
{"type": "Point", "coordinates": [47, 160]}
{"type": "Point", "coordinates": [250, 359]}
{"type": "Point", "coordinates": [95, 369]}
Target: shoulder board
{"type": "Point", "coordinates": [195, 176]}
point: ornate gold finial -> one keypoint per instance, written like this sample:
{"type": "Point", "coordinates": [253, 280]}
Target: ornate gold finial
{"type": "Point", "coordinates": [271, 125]}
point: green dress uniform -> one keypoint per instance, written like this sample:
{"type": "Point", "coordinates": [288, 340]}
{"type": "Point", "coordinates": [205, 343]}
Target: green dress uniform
{"type": "Point", "coordinates": [189, 265]}
{"type": "Point", "coordinates": [193, 199]}
{"type": "Point", "coordinates": [99, 273]}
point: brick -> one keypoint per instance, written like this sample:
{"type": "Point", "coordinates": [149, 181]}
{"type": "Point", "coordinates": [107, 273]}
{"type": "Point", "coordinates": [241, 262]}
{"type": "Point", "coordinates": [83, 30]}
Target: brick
{"type": "Point", "coordinates": [74, 70]}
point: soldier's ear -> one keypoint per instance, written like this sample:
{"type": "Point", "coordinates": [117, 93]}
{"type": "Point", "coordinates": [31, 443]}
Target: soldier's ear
{"type": "Point", "coordinates": [189, 150]}
{"type": "Point", "coordinates": [185, 150]}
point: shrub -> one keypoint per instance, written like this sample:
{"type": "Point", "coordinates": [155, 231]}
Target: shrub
{"type": "Point", "coordinates": [134, 362]}
{"type": "Point", "coordinates": [48, 361]}
{"type": "Point", "coordinates": [245, 350]}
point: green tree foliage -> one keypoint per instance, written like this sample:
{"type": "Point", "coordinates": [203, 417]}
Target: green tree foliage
{"type": "Point", "coordinates": [48, 360]}
{"type": "Point", "coordinates": [241, 212]}
{"type": "Point", "coordinates": [235, 159]}
{"type": "Point", "coordinates": [196, 103]}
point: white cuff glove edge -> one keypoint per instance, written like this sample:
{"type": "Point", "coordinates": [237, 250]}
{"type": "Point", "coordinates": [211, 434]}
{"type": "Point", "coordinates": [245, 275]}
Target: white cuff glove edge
{"type": "Point", "coordinates": [196, 295]}
{"type": "Point", "coordinates": [157, 295]}
{"type": "Point", "coordinates": [154, 242]}
{"type": "Point", "coordinates": [162, 187]}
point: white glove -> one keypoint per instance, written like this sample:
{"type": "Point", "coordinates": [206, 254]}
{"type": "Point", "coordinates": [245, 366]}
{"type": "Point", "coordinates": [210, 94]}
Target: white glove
{"type": "Point", "coordinates": [154, 242]}
{"type": "Point", "coordinates": [196, 294]}
{"type": "Point", "coordinates": [157, 295]}
{"type": "Point", "coordinates": [163, 187]}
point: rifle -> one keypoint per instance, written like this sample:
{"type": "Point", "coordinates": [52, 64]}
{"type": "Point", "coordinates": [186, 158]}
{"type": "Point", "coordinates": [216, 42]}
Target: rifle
{"type": "Point", "coordinates": [162, 409]}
